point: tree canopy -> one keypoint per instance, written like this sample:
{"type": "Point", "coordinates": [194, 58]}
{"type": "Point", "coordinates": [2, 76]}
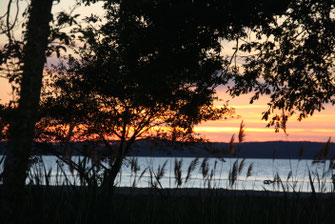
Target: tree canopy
{"type": "Point", "coordinates": [149, 64]}
{"type": "Point", "coordinates": [162, 55]}
{"type": "Point", "coordinates": [292, 60]}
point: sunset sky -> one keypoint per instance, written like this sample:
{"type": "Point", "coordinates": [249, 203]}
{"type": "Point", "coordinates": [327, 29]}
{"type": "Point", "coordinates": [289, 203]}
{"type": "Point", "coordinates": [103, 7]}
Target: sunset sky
{"type": "Point", "coordinates": [317, 128]}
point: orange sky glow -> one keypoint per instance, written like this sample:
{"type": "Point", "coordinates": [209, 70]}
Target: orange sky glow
{"type": "Point", "coordinates": [318, 127]}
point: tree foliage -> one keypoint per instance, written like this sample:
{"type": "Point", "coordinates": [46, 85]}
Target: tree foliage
{"type": "Point", "coordinates": [152, 62]}
{"type": "Point", "coordinates": [135, 79]}
{"type": "Point", "coordinates": [147, 65]}
{"type": "Point", "coordinates": [292, 61]}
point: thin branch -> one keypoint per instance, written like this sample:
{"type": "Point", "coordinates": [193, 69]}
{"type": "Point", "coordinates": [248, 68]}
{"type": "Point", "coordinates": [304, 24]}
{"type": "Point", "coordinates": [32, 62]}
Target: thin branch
{"type": "Point", "coordinates": [10, 26]}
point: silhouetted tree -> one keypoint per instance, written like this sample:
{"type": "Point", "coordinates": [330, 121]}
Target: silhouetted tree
{"type": "Point", "coordinates": [150, 65]}
{"type": "Point", "coordinates": [221, 19]}
{"type": "Point", "coordinates": [139, 83]}
{"type": "Point", "coordinates": [24, 61]}
{"type": "Point", "coordinates": [293, 61]}
{"type": "Point", "coordinates": [23, 123]}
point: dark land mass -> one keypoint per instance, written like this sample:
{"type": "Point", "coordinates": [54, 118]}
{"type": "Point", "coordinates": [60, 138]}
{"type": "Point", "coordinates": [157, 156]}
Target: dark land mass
{"type": "Point", "coordinates": [206, 192]}
{"type": "Point", "coordinates": [262, 150]}
{"type": "Point", "coordinates": [129, 205]}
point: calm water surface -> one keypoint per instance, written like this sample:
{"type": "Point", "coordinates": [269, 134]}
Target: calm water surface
{"type": "Point", "coordinates": [266, 174]}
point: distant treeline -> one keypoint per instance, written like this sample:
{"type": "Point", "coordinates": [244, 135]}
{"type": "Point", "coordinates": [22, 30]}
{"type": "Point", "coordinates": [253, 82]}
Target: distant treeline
{"type": "Point", "coordinates": [274, 149]}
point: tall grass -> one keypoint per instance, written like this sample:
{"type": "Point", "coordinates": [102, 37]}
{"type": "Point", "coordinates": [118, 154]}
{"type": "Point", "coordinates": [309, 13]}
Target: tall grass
{"type": "Point", "coordinates": [65, 202]}
{"type": "Point", "coordinates": [54, 195]}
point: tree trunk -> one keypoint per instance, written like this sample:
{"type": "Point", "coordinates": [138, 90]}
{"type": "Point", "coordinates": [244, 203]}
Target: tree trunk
{"type": "Point", "coordinates": [23, 125]}
{"type": "Point", "coordinates": [110, 175]}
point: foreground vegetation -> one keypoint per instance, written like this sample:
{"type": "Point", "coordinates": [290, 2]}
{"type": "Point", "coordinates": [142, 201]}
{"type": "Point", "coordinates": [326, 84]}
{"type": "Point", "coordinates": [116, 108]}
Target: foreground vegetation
{"type": "Point", "coordinates": [147, 66]}
{"type": "Point", "coordinates": [85, 205]}
{"type": "Point", "coordinates": [87, 201]}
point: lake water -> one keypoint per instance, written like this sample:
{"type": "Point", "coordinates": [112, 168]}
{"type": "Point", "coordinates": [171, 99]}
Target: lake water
{"type": "Point", "coordinates": [266, 174]}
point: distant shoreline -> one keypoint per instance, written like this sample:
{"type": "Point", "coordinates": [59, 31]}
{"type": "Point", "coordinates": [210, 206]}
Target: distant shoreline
{"type": "Point", "coordinates": [131, 192]}
{"type": "Point", "coordinates": [261, 150]}
{"type": "Point", "coordinates": [196, 192]}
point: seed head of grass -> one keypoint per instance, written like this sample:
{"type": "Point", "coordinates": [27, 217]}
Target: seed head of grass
{"type": "Point", "coordinates": [161, 171]}
{"type": "Point", "coordinates": [289, 175]}
{"type": "Point", "coordinates": [178, 172]}
{"type": "Point", "coordinates": [191, 168]}
{"type": "Point", "coordinates": [231, 145]}
{"type": "Point", "coordinates": [326, 148]}
{"type": "Point", "coordinates": [233, 174]}
{"type": "Point", "coordinates": [134, 167]}
{"type": "Point", "coordinates": [204, 167]}
{"type": "Point", "coordinates": [250, 168]}
{"type": "Point", "coordinates": [241, 166]}
{"type": "Point", "coordinates": [241, 133]}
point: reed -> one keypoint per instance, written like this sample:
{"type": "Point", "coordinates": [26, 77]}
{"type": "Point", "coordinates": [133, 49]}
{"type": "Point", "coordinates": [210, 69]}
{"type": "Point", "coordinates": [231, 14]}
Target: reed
{"type": "Point", "coordinates": [57, 196]}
